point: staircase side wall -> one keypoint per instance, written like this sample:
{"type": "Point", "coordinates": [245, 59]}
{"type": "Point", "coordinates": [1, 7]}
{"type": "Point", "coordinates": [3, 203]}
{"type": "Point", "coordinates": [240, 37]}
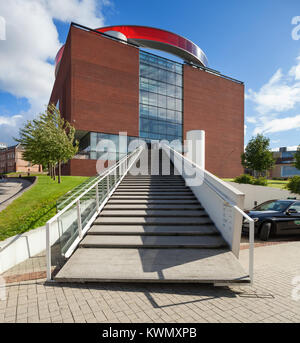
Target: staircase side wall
{"type": "Point", "coordinates": [227, 220]}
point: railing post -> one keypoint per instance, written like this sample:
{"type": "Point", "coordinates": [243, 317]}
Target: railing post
{"type": "Point", "coordinates": [97, 196]}
{"type": "Point", "coordinates": [79, 219]}
{"type": "Point", "coordinates": [251, 250]}
{"type": "Point", "coordinates": [48, 252]}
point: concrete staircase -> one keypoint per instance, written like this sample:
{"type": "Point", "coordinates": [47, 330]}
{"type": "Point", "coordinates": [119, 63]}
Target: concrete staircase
{"type": "Point", "coordinates": [153, 229]}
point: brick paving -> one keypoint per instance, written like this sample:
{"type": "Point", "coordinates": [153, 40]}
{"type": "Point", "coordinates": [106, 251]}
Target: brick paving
{"type": "Point", "coordinates": [269, 300]}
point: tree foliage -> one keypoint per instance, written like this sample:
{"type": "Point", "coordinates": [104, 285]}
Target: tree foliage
{"type": "Point", "coordinates": [257, 155]}
{"type": "Point", "coordinates": [48, 140]}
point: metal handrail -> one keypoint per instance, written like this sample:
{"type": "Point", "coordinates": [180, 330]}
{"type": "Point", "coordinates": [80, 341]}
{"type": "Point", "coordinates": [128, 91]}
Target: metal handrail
{"type": "Point", "coordinates": [98, 177]}
{"type": "Point", "coordinates": [81, 231]}
{"type": "Point", "coordinates": [235, 207]}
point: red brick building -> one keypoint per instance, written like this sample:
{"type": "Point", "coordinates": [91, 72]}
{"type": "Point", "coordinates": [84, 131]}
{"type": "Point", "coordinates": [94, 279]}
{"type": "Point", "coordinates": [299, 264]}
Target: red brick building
{"type": "Point", "coordinates": [108, 84]}
{"type": "Point", "coordinates": [11, 161]}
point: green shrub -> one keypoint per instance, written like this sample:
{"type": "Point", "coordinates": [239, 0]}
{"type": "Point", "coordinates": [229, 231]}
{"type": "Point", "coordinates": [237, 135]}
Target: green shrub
{"type": "Point", "coordinates": [244, 178]}
{"type": "Point", "coordinates": [294, 184]}
{"type": "Point", "coordinates": [261, 181]}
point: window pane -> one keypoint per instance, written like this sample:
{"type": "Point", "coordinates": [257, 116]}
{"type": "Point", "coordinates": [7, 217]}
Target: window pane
{"type": "Point", "coordinates": [162, 88]}
{"type": "Point", "coordinates": [171, 77]}
{"type": "Point", "coordinates": [170, 115]}
{"type": "Point", "coordinates": [144, 110]}
{"type": "Point", "coordinates": [171, 90]}
{"type": "Point", "coordinates": [162, 101]}
{"type": "Point", "coordinates": [153, 86]}
{"type": "Point", "coordinates": [171, 103]}
{"type": "Point", "coordinates": [178, 92]}
{"type": "Point", "coordinates": [144, 97]}
{"type": "Point", "coordinates": [162, 75]}
{"type": "Point", "coordinates": [144, 124]}
{"type": "Point", "coordinates": [178, 80]}
{"type": "Point", "coordinates": [162, 113]}
{"type": "Point", "coordinates": [152, 112]}
{"type": "Point", "coordinates": [153, 99]}
{"type": "Point", "coordinates": [178, 104]}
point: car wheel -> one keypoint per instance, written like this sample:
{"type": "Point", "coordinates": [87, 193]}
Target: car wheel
{"type": "Point", "coordinates": [265, 231]}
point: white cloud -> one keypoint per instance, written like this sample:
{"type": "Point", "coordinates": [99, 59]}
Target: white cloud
{"type": "Point", "coordinates": [11, 121]}
{"type": "Point", "coordinates": [274, 100]}
{"type": "Point", "coordinates": [278, 125]}
{"type": "Point", "coordinates": [31, 41]}
{"type": "Point", "coordinates": [280, 93]}
{"type": "Point", "coordinates": [251, 120]}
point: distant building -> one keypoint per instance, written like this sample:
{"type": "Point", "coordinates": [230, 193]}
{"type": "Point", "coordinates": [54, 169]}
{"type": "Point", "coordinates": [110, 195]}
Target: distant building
{"type": "Point", "coordinates": [11, 161]}
{"type": "Point", "coordinates": [284, 164]}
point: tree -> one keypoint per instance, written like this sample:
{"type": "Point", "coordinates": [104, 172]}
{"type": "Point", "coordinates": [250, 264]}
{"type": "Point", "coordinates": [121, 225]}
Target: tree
{"type": "Point", "coordinates": [297, 158]}
{"type": "Point", "coordinates": [257, 155]}
{"type": "Point", "coordinates": [48, 140]}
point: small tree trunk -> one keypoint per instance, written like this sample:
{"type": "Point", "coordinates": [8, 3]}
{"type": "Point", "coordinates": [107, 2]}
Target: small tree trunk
{"type": "Point", "coordinates": [59, 172]}
{"type": "Point", "coordinates": [49, 170]}
{"type": "Point", "coordinates": [54, 172]}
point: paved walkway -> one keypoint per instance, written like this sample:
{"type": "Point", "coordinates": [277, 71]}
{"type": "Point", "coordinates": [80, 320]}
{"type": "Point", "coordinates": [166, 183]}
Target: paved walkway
{"type": "Point", "coordinates": [270, 300]}
{"type": "Point", "coordinates": [9, 188]}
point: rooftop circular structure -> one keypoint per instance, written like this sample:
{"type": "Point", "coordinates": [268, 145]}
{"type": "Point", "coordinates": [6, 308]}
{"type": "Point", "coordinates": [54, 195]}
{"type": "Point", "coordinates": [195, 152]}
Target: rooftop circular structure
{"type": "Point", "coordinates": [152, 38]}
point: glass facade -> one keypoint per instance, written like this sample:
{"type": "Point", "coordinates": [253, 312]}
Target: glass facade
{"type": "Point", "coordinates": [287, 171]}
{"type": "Point", "coordinates": [116, 148]}
{"type": "Point", "coordinates": [160, 115]}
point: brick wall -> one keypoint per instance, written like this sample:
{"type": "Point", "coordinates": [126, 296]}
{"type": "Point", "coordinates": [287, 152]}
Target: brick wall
{"type": "Point", "coordinates": [216, 105]}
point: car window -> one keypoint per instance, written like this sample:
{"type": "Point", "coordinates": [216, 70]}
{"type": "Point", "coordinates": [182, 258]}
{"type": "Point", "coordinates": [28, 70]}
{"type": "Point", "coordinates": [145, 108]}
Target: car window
{"type": "Point", "coordinates": [296, 206]}
{"type": "Point", "coordinates": [276, 205]}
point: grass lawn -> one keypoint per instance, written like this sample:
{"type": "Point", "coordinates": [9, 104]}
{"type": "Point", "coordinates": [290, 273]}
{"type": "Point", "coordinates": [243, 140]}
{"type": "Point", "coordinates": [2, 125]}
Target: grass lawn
{"type": "Point", "coordinates": [35, 206]}
{"type": "Point", "coordinates": [271, 183]}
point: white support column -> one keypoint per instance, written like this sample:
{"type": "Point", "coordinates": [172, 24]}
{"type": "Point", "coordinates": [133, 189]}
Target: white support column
{"type": "Point", "coordinates": [196, 147]}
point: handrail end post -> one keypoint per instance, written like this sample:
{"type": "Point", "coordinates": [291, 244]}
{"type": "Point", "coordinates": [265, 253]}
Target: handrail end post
{"type": "Point", "coordinates": [48, 252]}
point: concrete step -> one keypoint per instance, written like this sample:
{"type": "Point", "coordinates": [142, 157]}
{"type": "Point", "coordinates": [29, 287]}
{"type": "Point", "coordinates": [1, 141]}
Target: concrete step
{"type": "Point", "coordinates": [152, 213]}
{"type": "Point", "coordinates": [152, 206]}
{"type": "Point", "coordinates": [171, 188]}
{"type": "Point", "coordinates": [153, 193]}
{"type": "Point", "coordinates": [153, 230]}
{"type": "Point", "coordinates": [153, 265]}
{"type": "Point", "coordinates": [154, 179]}
{"type": "Point", "coordinates": [152, 221]}
{"type": "Point", "coordinates": [157, 182]}
{"type": "Point", "coordinates": [151, 196]}
{"type": "Point", "coordinates": [158, 242]}
{"type": "Point", "coordinates": [157, 202]}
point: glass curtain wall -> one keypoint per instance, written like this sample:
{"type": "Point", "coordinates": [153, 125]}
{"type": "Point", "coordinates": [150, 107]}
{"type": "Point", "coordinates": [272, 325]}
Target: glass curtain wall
{"type": "Point", "coordinates": [160, 114]}
{"type": "Point", "coordinates": [116, 149]}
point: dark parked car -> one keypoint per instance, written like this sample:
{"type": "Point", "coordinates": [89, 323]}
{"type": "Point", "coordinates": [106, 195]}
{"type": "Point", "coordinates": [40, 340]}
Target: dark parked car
{"type": "Point", "coordinates": [275, 217]}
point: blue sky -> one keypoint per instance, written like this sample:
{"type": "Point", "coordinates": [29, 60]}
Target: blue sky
{"type": "Point", "coordinates": [249, 40]}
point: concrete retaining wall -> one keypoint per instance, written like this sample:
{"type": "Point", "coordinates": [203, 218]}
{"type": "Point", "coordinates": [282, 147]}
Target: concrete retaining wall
{"type": "Point", "coordinates": [261, 194]}
{"type": "Point", "coordinates": [19, 248]}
